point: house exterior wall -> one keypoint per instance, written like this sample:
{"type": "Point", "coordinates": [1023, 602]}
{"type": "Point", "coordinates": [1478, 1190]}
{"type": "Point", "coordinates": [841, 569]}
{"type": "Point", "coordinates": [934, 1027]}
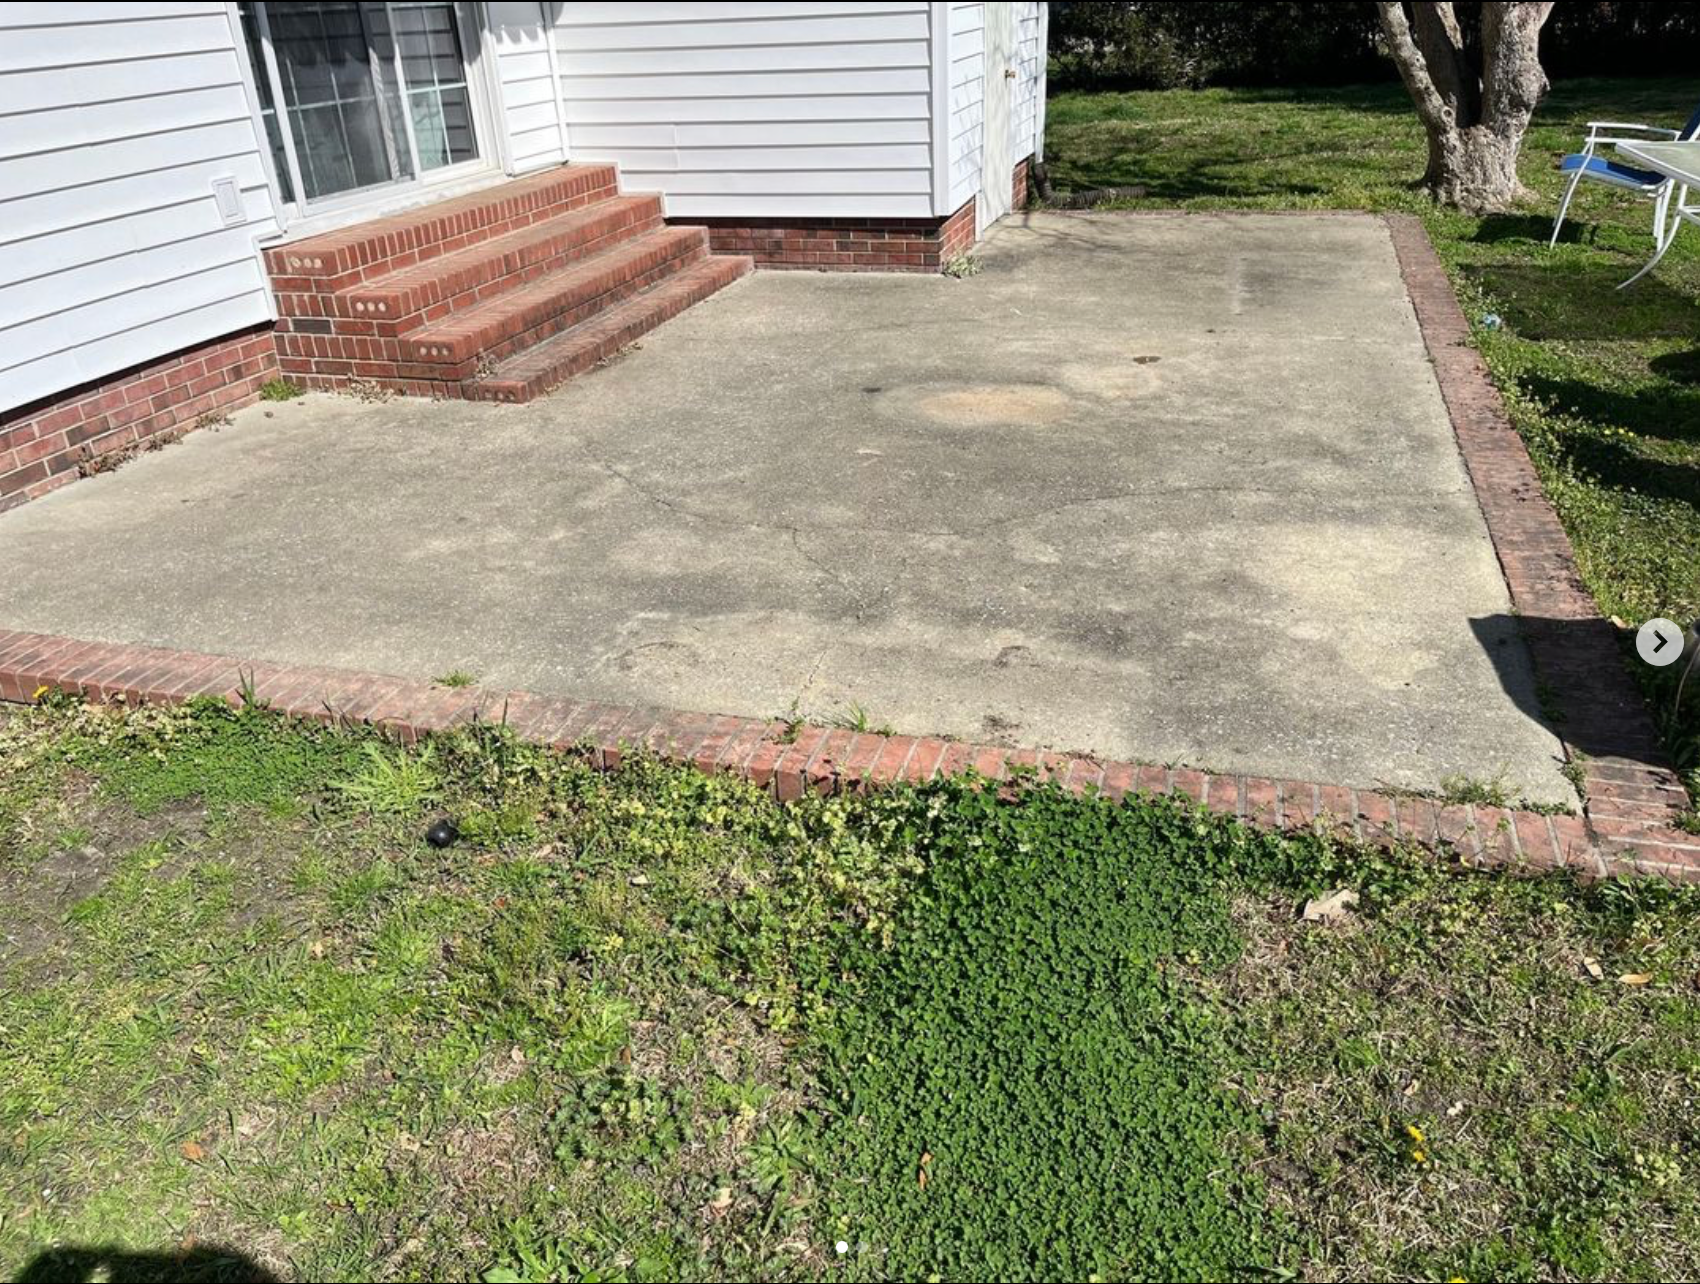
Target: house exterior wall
{"type": "Point", "coordinates": [91, 427]}
{"type": "Point", "coordinates": [1028, 104]}
{"type": "Point", "coordinates": [753, 111]}
{"type": "Point", "coordinates": [816, 134]}
{"type": "Point", "coordinates": [528, 84]}
{"type": "Point", "coordinates": [115, 120]}
{"type": "Point", "coordinates": [968, 93]}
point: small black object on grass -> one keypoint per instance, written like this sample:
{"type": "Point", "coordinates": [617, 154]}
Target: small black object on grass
{"type": "Point", "coordinates": [441, 834]}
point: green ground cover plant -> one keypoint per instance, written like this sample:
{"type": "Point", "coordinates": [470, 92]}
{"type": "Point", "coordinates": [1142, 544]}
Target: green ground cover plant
{"type": "Point", "coordinates": [655, 1026]}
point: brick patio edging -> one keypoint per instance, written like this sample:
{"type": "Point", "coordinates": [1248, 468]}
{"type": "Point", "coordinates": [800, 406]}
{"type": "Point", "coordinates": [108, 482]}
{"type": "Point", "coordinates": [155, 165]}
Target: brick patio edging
{"type": "Point", "coordinates": [817, 759]}
{"type": "Point", "coordinates": [1631, 794]}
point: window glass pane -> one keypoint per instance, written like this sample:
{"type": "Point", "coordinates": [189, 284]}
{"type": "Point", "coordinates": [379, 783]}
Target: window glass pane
{"type": "Point", "coordinates": [435, 70]}
{"type": "Point", "coordinates": [429, 133]}
{"type": "Point", "coordinates": [322, 149]}
{"type": "Point", "coordinates": [442, 127]}
{"type": "Point", "coordinates": [457, 123]}
{"type": "Point", "coordinates": [268, 107]}
{"type": "Point", "coordinates": [351, 86]}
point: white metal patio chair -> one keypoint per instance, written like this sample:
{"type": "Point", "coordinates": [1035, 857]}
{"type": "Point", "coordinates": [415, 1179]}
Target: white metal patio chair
{"type": "Point", "coordinates": [1588, 164]}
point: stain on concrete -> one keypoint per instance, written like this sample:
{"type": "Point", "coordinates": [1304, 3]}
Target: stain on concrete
{"type": "Point", "coordinates": [983, 405]}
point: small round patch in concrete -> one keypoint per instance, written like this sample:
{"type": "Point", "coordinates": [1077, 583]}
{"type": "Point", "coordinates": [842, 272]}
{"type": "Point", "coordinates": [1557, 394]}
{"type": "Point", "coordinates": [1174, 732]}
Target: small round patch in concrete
{"type": "Point", "coordinates": [1659, 642]}
{"type": "Point", "coordinates": [988, 405]}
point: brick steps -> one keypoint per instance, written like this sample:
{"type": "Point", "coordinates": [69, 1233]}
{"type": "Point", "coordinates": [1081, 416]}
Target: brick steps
{"type": "Point", "coordinates": [452, 347]}
{"type": "Point", "coordinates": [431, 301]}
{"type": "Point", "coordinates": [537, 369]}
{"type": "Point", "coordinates": [346, 256]}
{"type": "Point", "coordinates": [417, 295]}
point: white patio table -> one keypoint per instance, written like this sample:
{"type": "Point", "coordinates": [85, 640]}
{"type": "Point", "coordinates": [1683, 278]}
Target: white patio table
{"type": "Point", "coordinates": [1679, 162]}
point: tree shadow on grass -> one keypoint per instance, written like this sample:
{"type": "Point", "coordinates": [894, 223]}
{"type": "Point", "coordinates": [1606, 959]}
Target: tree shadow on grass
{"type": "Point", "coordinates": [1667, 411]}
{"type": "Point", "coordinates": [212, 1263]}
{"type": "Point", "coordinates": [1569, 300]}
{"type": "Point", "coordinates": [1534, 229]}
{"type": "Point", "coordinates": [1219, 176]}
{"type": "Point", "coordinates": [1678, 367]}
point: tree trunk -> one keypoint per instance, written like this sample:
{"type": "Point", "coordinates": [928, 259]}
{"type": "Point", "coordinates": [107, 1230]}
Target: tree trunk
{"type": "Point", "coordinates": [1475, 104]}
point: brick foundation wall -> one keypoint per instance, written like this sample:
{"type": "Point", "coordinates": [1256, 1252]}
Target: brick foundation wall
{"type": "Point", "coordinates": [844, 244]}
{"type": "Point", "coordinates": [1018, 189]}
{"type": "Point", "coordinates": [54, 440]}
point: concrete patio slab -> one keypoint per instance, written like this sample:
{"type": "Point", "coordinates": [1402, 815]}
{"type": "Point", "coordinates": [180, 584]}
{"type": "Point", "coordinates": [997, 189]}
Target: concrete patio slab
{"type": "Point", "coordinates": [1176, 489]}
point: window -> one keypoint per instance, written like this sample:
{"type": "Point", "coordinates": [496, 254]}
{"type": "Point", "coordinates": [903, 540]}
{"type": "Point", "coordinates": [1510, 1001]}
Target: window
{"type": "Point", "coordinates": [354, 96]}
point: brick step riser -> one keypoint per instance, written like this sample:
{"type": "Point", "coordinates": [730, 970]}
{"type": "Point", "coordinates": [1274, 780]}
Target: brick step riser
{"type": "Point", "coordinates": [301, 268]}
{"type": "Point", "coordinates": [423, 359]}
{"type": "Point", "coordinates": [462, 379]}
{"type": "Point", "coordinates": [327, 361]}
{"type": "Point", "coordinates": [581, 359]}
{"type": "Point", "coordinates": [559, 323]}
{"type": "Point", "coordinates": [393, 314]}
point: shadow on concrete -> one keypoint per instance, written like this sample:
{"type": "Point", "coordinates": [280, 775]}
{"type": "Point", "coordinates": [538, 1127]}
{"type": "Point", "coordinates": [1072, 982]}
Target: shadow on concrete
{"type": "Point", "coordinates": [1583, 691]}
{"type": "Point", "coordinates": [120, 1266]}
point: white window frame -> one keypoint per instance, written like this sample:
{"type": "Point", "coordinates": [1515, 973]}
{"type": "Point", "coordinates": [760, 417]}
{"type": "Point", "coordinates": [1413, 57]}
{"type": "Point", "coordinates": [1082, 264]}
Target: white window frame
{"type": "Point", "coordinates": [298, 218]}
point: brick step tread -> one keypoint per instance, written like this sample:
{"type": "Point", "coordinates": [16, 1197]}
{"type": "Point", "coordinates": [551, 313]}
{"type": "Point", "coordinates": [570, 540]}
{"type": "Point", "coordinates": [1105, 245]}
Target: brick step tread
{"type": "Point", "coordinates": [485, 268]}
{"type": "Point", "coordinates": [441, 227]}
{"type": "Point", "coordinates": [537, 369]}
{"type": "Point", "coordinates": [603, 278]}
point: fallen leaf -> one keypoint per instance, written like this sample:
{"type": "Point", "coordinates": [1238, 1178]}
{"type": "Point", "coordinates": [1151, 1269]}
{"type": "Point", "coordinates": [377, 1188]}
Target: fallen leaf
{"type": "Point", "coordinates": [1331, 908]}
{"type": "Point", "coordinates": [193, 1151]}
{"type": "Point", "coordinates": [1593, 968]}
{"type": "Point", "coordinates": [1635, 978]}
{"type": "Point", "coordinates": [640, 880]}
{"type": "Point", "coordinates": [517, 1056]}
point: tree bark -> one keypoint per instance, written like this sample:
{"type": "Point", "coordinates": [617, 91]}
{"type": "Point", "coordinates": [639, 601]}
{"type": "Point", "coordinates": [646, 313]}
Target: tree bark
{"type": "Point", "coordinates": [1475, 104]}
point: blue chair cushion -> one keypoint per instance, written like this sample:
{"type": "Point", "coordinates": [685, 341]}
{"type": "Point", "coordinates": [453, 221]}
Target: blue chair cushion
{"type": "Point", "coordinates": [1611, 171]}
{"type": "Point", "coordinates": [1692, 128]}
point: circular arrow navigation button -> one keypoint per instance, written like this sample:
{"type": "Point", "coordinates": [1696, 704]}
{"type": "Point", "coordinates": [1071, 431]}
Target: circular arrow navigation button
{"type": "Point", "coordinates": [1659, 642]}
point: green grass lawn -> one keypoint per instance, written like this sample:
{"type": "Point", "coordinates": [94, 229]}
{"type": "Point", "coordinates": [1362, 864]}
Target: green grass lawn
{"type": "Point", "coordinates": [655, 1026]}
{"type": "Point", "coordinates": [1604, 385]}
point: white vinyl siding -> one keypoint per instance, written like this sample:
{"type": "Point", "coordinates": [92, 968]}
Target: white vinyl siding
{"type": "Point", "coordinates": [526, 75]}
{"type": "Point", "coordinates": [1026, 111]}
{"type": "Point", "coordinates": [755, 110]}
{"type": "Point", "coordinates": [967, 100]}
{"type": "Point", "coordinates": [968, 92]}
{"type": "Point", "coordinates": [114, 121]}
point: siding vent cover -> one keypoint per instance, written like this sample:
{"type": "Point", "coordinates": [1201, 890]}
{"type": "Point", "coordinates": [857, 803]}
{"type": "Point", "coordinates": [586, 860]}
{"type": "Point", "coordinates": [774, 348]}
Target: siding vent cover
{"type": "Point", "coordinates": [229, 199]}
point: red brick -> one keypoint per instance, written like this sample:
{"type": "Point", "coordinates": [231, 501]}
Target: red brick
{"type": "Point", "coordinates": [1262, 802]}
{"type": "Point", "coordinates": [1222, 794]}
{"type": "Point", "coordinates": [1120, 779]}
{"type": "Point", "coordinates": [887, 767]}
{"type": "Point", "coordinates": [924, 762]}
